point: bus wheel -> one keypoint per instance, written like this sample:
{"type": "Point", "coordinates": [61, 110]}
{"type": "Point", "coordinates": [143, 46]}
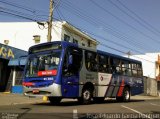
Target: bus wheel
{"type": "Point", "coordinates": [125, 96]}
{"type": "Point", "coordinates": [86, 97]}
{"type": "Point", "coordinates": [54, 100]}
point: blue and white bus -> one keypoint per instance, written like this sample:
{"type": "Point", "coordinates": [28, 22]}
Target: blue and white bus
{"type": "Point", "coordinates": [65, 70]}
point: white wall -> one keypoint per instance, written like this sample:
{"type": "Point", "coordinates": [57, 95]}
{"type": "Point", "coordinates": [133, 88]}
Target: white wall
{"type": "Point", "coordinates": [73, 35]}
{"type": "Point", "coordinates": [20, 34]}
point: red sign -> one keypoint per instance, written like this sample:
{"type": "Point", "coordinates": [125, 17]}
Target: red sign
{"type": "Point", "coordinates": [47, 73]}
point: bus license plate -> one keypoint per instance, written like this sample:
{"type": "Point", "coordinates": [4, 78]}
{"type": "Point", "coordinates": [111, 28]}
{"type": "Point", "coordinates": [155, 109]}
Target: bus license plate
{"type": "Point", "coordinates": [35, 91]}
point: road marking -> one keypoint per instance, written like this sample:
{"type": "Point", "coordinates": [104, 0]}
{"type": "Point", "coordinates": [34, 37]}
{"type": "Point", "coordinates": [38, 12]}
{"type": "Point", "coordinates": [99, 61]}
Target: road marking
{"type": "Point", "coordinates": [75, 114]}
{"type": "Point", "coordinates": [141, 114]}
{"type": "Point", "coordinates": [154, 104]}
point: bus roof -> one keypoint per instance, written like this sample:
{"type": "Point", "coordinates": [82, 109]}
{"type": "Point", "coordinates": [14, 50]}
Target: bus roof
{"type": "Point", "coordinates": [66, 44]}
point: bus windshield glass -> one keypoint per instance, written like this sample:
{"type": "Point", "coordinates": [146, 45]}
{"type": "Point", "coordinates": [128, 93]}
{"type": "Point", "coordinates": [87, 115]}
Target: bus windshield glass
{"type": "Point", "coordinates": [43, 65]}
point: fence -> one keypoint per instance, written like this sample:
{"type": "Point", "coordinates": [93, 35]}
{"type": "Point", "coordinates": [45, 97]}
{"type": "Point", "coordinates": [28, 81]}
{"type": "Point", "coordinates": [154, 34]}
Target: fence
{"type": "Point", "coordinates": [151, 87]}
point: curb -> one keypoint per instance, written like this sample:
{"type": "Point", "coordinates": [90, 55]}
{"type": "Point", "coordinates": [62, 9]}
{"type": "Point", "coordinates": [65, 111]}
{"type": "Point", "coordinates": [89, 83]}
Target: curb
{"type": "Point", "coordinates": [6, 92]}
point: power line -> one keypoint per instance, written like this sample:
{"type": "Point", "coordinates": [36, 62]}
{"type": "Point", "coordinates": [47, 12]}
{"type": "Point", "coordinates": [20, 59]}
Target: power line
{"type": "Point", "coordinates": [91, 33]}
{"type": "Point", "coordinates": [96, 23]}
{"type": "Point", "coordinates": [143, 21]}
{"type": "Point", "coordinates": [147, 36]}
{"type": "Point", "coordinates": [115, 48]}
{"type": "Point", "coordinates": [36, 20]}
{"type": "Point", "coordinates": [140, 23]}
{"type": "Point", "coordinates": [18, 15]}
{"type": "Point", "coordinates": [18, 6]}
{"type": "Point", "coordinates": [28, 9]}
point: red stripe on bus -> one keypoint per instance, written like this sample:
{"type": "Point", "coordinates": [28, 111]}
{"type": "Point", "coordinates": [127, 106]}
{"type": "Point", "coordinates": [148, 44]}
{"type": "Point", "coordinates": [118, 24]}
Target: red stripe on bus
{"type": "Point", "coordinates": [47, 73]}
{"type": "Point", "coordinates": [120, 92]}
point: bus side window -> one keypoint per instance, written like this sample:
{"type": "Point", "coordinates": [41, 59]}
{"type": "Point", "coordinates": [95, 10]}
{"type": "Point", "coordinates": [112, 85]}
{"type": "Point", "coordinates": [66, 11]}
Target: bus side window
{"type": "Point", "coordinates": [134, 69]}
{"type": "Point", "coordinates": [103, 64]}
{"type": "Point", "coordinates": [139, 67]}
{"type": "Point", "coordinates": [126, 68]}
{"type": "Point", "coordinates": [91, 61]}
{"type": "Point", "coordinates": [116, 66]}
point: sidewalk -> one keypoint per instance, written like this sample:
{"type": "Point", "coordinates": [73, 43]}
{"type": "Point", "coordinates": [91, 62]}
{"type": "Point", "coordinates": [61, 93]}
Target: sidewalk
{"type": "Point", "coordinates": [144, 97]}
{"type": "Point", "coordinates": [14, 99]}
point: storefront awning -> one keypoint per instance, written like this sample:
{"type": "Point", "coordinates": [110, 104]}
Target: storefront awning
{"type": "Point", "coordinates": [17, 62]}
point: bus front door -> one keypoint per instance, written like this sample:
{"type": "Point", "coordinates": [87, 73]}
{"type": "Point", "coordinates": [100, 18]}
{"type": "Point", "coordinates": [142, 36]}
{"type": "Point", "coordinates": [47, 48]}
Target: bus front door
{"type": "Point", "coordinates": [70, 77]}
{"type": "Point", "coordinates": [70, 87]}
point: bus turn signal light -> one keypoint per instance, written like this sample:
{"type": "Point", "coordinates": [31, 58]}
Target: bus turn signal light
{"type": "Point", "coordinates": [28, 84]}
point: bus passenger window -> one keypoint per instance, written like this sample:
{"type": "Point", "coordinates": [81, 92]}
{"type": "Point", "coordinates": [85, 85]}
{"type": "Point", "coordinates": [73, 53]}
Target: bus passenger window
{"type": "Point", "coordinates": [91, 61]}
{"type": "Point", "coordinates": [116, 66]}
{"type": "Point", "coordinates": [103, 64]}
{"type": "Point", "coordinates": [134, 69]}
{"type": "Point", "coordinates": [139, 66]}
{"type": "Point", "coordinates": [126, 68]}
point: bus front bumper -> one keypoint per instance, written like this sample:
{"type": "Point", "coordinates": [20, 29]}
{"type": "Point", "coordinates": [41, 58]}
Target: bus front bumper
{"type": "Point", "coordinates": [52, 90]}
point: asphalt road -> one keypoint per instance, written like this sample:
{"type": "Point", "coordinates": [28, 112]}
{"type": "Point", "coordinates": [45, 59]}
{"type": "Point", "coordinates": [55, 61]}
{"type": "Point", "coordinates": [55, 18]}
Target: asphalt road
{"type": "Point", "coordinates": [136, 109]}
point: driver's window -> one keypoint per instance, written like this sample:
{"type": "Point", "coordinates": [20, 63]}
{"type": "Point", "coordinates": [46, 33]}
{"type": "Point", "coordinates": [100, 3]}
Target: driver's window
{"type": "Point", "coordinates": [72, 69]}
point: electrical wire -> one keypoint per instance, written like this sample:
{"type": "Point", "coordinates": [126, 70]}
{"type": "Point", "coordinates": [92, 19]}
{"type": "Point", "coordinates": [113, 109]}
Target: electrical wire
{"type": "Point", "coordinates": [96, 23]}
{"type": "Point", "coordinates": [133, 18]}
{"type": "Point", "coordinates": [28, 18]}
{"type": "Point", "coordinates": [122, 21]}
{"type": "Point", "coordinates": [138, 17]}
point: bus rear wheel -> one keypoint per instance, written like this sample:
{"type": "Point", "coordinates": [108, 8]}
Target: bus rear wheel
{"type": "Point", "coordinates": [125, 96]}
{"type": "Point", "coordinates": [54, 100]}
{"type": "Point", "coordinates": [86, 97]}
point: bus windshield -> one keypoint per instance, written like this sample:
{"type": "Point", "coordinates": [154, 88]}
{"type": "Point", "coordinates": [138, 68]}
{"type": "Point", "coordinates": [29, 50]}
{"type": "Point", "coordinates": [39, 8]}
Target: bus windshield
{"type": "Point", "coordinates": [43, 65]}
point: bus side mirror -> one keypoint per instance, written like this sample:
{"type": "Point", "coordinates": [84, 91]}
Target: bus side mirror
{"type": "Point", "coordinates": [70, 61]}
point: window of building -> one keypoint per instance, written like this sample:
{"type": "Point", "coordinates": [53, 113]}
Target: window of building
{"type": "Point", "coordinates": [89, 43]}
{"type": "Point", "coordinates": [83, 44]}
{"type": "Point", "coordinates": [75, 41]}
{"type": "Point", "coordinates": [66, 38]}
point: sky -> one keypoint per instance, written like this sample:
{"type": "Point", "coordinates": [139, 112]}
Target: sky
{"type": "Point", "coordinates": [120, 26]}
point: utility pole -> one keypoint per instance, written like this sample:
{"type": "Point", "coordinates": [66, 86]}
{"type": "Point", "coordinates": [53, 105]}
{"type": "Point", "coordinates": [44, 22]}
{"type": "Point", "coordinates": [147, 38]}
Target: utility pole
{"type": "Point", "coordinates": [49, 36]}
{"type": "Point", "coordinates": [129, 54]}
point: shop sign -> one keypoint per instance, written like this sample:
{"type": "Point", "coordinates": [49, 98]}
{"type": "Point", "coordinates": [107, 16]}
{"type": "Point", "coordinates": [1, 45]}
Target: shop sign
{"type": "Point", "coordinates": [6, 52]}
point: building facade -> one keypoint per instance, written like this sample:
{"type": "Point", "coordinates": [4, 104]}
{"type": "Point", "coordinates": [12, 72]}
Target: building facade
{"type": "Point", "coordinates": [6, 54]}
{"type": "Point", "coordinates": [22, 35]}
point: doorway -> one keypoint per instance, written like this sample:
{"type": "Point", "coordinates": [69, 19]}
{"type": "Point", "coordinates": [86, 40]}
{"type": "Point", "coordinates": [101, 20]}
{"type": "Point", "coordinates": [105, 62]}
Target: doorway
{"type": "Point", "coordinates": [4, 74]}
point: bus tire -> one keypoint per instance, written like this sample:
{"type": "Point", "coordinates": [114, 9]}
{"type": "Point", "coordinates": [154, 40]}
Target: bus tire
{"type": "Point", "coordinates": [54, 100]}
{"type": "Point", "coordinates": [125, 96]}
{"type": "Point", "coordinates": [86, 97]}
